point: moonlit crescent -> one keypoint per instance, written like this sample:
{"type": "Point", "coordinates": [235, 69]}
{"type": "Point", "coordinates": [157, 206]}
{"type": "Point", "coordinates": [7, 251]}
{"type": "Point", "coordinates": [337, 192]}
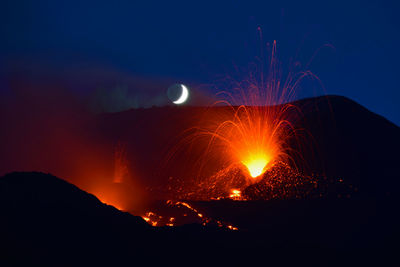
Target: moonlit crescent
{"type": "Point", "coordinates": [184, 95]}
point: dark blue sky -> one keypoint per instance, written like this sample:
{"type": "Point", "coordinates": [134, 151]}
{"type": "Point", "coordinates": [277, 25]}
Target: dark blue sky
{"type": "Point", "coordinates": [197, 42]}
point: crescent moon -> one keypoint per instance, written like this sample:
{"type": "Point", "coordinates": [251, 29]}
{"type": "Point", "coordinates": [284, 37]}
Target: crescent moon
{"type": "Point", "coordinates": [184, 95]}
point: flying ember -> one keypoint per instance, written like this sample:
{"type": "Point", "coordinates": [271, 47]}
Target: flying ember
{"type": "Point", "coordinates": [257, 133]}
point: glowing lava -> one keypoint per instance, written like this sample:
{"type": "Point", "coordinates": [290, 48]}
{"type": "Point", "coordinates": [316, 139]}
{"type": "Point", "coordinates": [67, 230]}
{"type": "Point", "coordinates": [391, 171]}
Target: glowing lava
{"type": "Point", "coordinates": [182, 211]}
{"type": "Point", "coordinates": [256, 128]}
{"type": "Point", "coordinates": [256, 166]}
{"type": "Point", "coordinates": [236, 194]}
{"type": "Point", "coordinates": [248, 130]}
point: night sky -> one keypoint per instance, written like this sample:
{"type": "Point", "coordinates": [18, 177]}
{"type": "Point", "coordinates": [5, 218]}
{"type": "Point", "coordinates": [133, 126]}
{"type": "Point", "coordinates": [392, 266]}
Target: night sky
{"type": "Point", "coordinates": [197, 42]}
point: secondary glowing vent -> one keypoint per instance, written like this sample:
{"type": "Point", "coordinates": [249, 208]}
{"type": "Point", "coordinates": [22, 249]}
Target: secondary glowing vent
{"type": "Point", "coordinates": [236, 194]}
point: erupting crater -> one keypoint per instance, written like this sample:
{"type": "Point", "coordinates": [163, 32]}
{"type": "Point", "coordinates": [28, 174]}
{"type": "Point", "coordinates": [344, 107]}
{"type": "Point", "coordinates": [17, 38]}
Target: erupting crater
{"type": "Point", "coordinates": [256, 165]}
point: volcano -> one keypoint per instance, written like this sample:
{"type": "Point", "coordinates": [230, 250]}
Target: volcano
{"type": "Point", "coordinates": [338, 207]}
{"type": "Point", "coordinates": [342, 141]}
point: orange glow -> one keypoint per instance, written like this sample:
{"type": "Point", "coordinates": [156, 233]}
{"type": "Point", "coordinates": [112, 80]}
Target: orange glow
{"type": "Point", "coordinates": [157, 220]}
{"type": "Point", "coordinates": [232, 228]}
{"type": "Point", "coordinates": [247, 131]}
{"type": "Point", "coordinates": [151, 218]}
{"type": "Point", "coordinates": [235, 194]}
{"type": "Point", "coordinates": [120, 164]}
{"type": "Point", "coordinates": [109, 198]}
{"type": "Point", "coordinates": [118, 188]}
{"type": "Point", "coordinates": [256, 165]}
{"type": "Point", "coordinates": [255, 137]}
{"type": "Point", "coordinates": [254, 130]}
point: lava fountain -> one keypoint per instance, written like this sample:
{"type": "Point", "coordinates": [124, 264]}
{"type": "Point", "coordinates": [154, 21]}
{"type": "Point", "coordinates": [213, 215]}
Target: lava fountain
{"type": "Point", "coordinates": [250, 127]}
{"type": "Point", "coordinates": [257, 134]}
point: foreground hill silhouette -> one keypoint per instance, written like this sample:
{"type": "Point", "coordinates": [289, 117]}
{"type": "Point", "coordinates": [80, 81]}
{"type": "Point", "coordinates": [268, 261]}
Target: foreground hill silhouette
{"type": "Point", "coordinates": [46, 221]}
{"type": "Point", "coordinates": [49, 221]}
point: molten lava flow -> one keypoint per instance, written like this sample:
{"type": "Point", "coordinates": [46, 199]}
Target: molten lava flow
{"type": "Point", "coordinates": [184, 213]}
{"type": "Point", "coordinates": [151, 218]}
{"type": "Point", "coordinates": [233, 228]}
{"type": "Point", "coordinates": [236, 194]}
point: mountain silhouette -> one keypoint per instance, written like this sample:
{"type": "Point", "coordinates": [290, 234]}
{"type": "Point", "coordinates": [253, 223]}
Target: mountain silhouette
{"type": "Point", "coordinates": [340, 139]}
{"type": "Point", "coordinates": [351, 144]}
